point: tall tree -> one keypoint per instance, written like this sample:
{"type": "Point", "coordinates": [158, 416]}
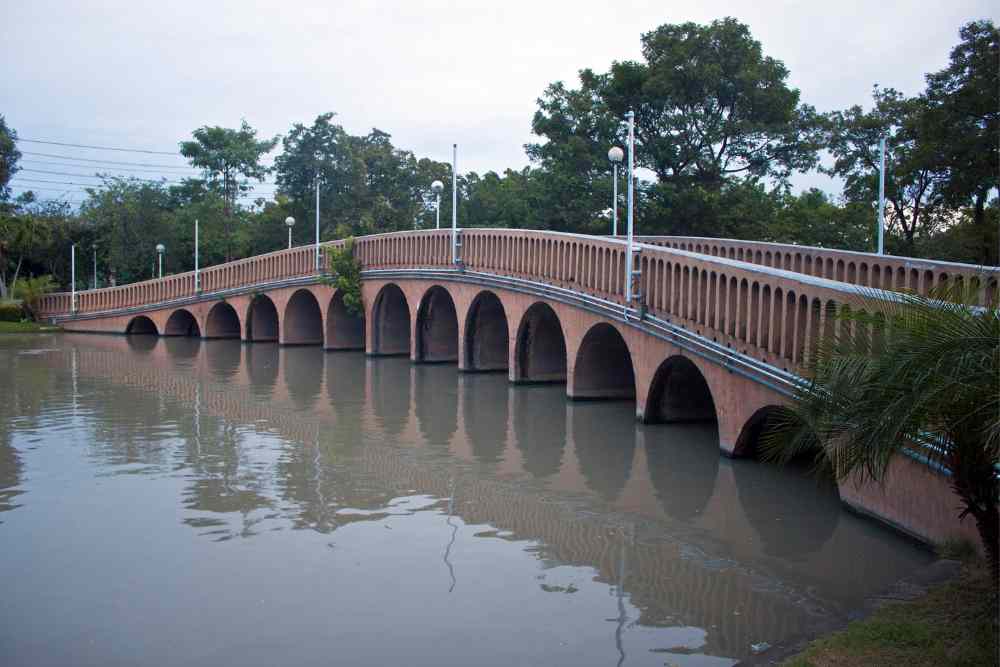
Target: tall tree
{"type": "Point", "coordinates": [913, 191]}
{"type": "Point", "coordinates": [229, 158]}
{"type": "Point", "coordinates": [963, 117]}
{"type": "Point", "coordinates": [9, 155]}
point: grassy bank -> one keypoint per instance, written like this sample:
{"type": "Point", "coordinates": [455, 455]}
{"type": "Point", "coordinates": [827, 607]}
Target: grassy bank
{"type": "Point", "coordinates": [955, 623]}
{"type": "Point", "coordinates": [26, 327]}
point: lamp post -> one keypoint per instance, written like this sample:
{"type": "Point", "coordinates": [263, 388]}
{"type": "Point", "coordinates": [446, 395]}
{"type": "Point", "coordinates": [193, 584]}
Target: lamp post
{"type": "Point", "coordinates": [616, 155]}
{"type": "Point", "coordinates": [94, 246]}
{"type": "Point", "coordinates": [881, 194]}
{"type": "Point", "coordinates": [454, 204]}
{"type": "Point", "coordinates": [72, 278]}
{"type": "Point", "coordinates": [197, 270]}
{"type": "Point", "coordinates": [630, 261]}
{"type": "Point", "coordinates": [318, 179]}
{"type": "Point", "coordinates": [159, 251]}
{"type": "Point", "coordinates": [437, 187]}
{"type": "Point", "coordinates": [289, 222]}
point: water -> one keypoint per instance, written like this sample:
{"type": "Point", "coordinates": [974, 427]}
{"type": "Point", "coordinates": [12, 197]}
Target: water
{"type": "Point", "coordinates": [176, 502]}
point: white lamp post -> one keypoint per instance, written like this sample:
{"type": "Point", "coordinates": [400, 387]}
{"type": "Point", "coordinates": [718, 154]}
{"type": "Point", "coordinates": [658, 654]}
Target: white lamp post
{"type": "Point", "coordinates": [881, 195]}
{"type": "Point", "coordinates": [437, 187]}
{"type": "Point", "coordinates": [318, 179]}
{"type": "Point", "coordinates": [159, 251]}
{"type": "Point", "coordinates": [454, 204]}
{"type": "Point", "coordinates": [630, 261]}
{"type": "Point", "coordinates": [197, 270]}
{"type": "Point", "coordinates": [290, 222]}
{"type": "Point", "coordinates": [72, 278]}
{"type": "Point", "coordinates": [95, 265]}
{"type": "Point", "coordinates": [615, 155]}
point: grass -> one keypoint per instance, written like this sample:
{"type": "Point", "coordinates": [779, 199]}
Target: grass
{"type": "Point", "coordinates": [26, 327]}
{"type": "Point", "coordinates": [955, 623]}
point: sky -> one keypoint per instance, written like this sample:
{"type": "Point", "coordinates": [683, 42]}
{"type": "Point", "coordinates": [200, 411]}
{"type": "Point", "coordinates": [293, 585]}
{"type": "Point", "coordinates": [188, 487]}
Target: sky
{"type": "Point", "coordinates": [144, 75]}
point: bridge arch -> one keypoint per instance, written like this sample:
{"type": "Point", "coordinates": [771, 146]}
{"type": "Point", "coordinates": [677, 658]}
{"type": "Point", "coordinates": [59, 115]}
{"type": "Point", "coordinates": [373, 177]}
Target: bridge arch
{"type": "Point", "coordinates": [437, 327]}
{"type": "Point", "coordinates": [487, 334]}
{"type": "Point", "coordinates": [679, 393]}
{"type": "Point", "coordinates": [222, 321]}
{"type": "Point", "coordinates": [391, 322]}
{"type": "Point", "coordinates": [140, 325]}
{"type": "Point", "coordinates": [182, 323]}
{"type": "Point", "coordinates": [344, 330]}
{"type": "Point", "coordinates": [603, 367]}
{"type": "Point", "coordinates": [540, 354]}
{"type": "Point", "coordinates": [302, 323]}
{"type": "Point", "coordinates": [262, 320]}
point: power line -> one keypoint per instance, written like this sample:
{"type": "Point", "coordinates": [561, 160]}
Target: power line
{"type": "Point", "coordinates": [99, 148]}
{"type": "Point", "coordinates": [84, 159]}
{"type": "Point", "coordinates": [33, 161]}
{"type": "Point", "coordinates": [242, 195]}
{"type": "Point", "coordinates": [159, 181]}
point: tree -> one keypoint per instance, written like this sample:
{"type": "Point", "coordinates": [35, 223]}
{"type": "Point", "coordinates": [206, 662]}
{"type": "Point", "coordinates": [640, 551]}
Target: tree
{"type": "Point", "coordinates": [918, 373]}
{"type": "Point", "coordinates": [913, 173]}
{"type": "Point", "coordinates": [963, 117]}
{"type": "Point", "coordinates": [228, 157]}
{"type": "Point", "coordinates": [709, 105]}
{"type": "Point", "coordinates": [9, 155]}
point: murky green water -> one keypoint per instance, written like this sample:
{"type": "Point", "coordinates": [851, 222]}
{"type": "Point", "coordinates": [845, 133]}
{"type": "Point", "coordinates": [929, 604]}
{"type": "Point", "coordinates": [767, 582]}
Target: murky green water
{"type": "Point", "coordinates": [176, 502]}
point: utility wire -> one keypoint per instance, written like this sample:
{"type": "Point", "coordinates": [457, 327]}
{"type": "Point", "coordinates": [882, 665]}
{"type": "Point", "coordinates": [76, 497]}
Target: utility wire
{"type": "Point", "coordinates": [159, 181]}
{"type": "Point", "coordinates": [34, 160]}
{"type": "Point", "coordinates": [84, 159]}
{"type": "Point", "coordinates": [99, 148]}
{"type": "Point", "coordinates": [244, 195]}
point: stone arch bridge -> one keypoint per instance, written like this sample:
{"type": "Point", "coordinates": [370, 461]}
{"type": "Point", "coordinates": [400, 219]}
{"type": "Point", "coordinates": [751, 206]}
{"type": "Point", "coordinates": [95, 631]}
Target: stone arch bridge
{"type": "Point", "coordinates": [723, 329]}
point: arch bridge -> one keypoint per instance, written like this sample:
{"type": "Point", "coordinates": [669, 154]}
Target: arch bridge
{"type": "Point", "coordinates": [722, 332]}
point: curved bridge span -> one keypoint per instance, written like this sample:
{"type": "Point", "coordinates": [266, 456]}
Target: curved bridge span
{"type": "Point", "coordinates": [721, 331]}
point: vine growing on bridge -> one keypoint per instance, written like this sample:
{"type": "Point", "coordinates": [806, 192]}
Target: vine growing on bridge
{"type": "Point", "coordinates": [345, 275]}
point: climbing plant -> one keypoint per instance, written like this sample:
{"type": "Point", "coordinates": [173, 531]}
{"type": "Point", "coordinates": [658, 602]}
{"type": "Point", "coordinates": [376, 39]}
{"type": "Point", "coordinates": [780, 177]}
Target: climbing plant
{"type": "Point", "coordinates": [345, 275]}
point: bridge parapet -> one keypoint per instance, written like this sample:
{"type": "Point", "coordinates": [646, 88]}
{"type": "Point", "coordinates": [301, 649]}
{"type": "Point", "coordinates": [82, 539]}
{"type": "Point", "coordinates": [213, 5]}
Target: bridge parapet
{"type": "Point", "coordinates": [886, 272]}
{"type": "Point", "coordinates": [770, 301]}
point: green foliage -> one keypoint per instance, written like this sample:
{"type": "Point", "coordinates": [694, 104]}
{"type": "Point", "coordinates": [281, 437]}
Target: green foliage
{"type": "Point", "coordinates": [10, 311]}
{"type": "Point", "coordinates": [29, 290]}
{"type": "Point", "coordinates": [228, 157]}
{"type": "Point", "coordinates": [953, 624]}
{"type": "Point", "coordinates": [919, 373]}
{"type": "Point", "coordinates": [9, 155]}
{"type": "Point", "coordinates": [345, 275]}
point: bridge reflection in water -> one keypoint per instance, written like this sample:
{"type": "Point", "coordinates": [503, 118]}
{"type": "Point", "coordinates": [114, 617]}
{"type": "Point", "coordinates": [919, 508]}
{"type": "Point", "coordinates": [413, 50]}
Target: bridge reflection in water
{"type": "Point", "coordinates": [260, 437]}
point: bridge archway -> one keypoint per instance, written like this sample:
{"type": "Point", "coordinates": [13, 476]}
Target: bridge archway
{"type": "Point", "coordinates": [748, 442]}
{"type": "Point", "coordinates": [140, 325]}
{"type": "Point", "coordinates": [344, 329]}
{"type": "Point", "coordinates": [262, 320]}
{"type": "Point", "coordinates": [540, 354]}
{"type": "Point", "coordinates": [303, 320]}
{"type": "Point", "coordinates": [603, 367]}
{"type": "Point", "coordinates": [391, 322]}
{"type": "Point", "coordinates": [487, 335]}
{"type": "Point", "coordinates": [679, 393]}
{"type": "Point", "coordinates": [222, 322]}
{"type": "Point", "coordinates": [182, 323]}
{"type": "Point", "coordinates": [437, 327]}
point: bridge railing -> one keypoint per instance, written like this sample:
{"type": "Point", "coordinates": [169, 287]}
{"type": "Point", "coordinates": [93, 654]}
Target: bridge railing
{"type": "Point", "coordinates": [774, 314]}
{"type": "Point", "coordinates": [265, 268]}
{"type": "Point", "coordinates": [857, 268]}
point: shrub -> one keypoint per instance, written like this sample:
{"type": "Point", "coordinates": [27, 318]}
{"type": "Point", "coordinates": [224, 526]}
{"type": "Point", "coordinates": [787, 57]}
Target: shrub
{"type": "Point", "coordinates": [10, 311]}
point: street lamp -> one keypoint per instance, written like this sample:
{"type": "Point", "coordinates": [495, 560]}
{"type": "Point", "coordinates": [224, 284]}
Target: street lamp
{"type": "Point", "coordinates": [616, 155]}
{"type": "Point", "coordinates": [290, 222]}
{"type": "Point", "coordinates": [94, 246]}
{"type": "Point", "coordinates": [438, 188]}
{"type": "Point", "coordinates": [159, 251]}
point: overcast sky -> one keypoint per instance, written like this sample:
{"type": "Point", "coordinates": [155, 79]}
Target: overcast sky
{"type": "Point", "coordinates": [138, 75]}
